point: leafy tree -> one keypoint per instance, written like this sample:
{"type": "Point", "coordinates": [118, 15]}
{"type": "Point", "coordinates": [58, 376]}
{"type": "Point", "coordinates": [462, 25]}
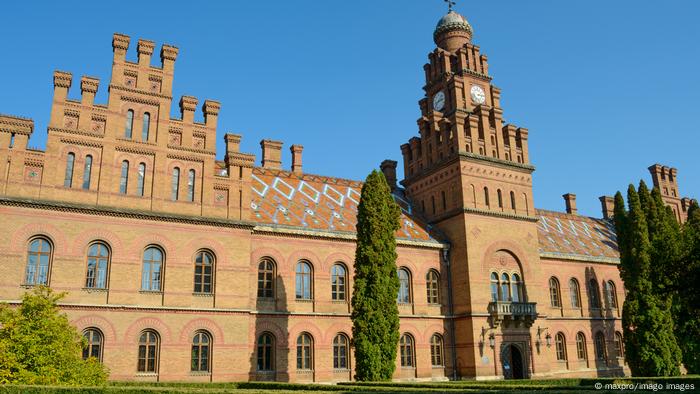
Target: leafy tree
{"type": "Point", "coordinates": [688, 295]}
{"type": "Point", "coordinates": [375, 314]}
{"type": "Point", "coordinates": [38, 345]}
{"type": "Point", "coordinates": [650, 344]}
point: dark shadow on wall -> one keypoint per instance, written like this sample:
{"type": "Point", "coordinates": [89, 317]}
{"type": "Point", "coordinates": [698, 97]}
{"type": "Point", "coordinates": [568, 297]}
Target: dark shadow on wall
{"type": "Point", "coordinates": [269, 360]}
{"type": "Point", "coordinates": [602, 334]}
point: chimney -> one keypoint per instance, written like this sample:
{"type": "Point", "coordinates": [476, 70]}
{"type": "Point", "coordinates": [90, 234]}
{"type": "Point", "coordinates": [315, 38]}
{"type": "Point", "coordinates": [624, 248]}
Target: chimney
{"type": "Point", "coordinates": [120, 44]}
{"type": "Point", "coordinates": [607, 203]}
{"type": "Point", "coordinates": [211, 110]}
{"type": "Point", "coordinates": [233, 143]}
{"type": "Point", "coordinates": [188, 105]}
{"type": "Point", "coordinates": [61, 83]}
{"type": "Point", "coordinates": [296, 158]}
{"type": "Point", "coordinates": [88, 88]}
{"type": "Point", "coordinates": [145, 50]}
{"type": "Point", "coordinates": [570, 200]}
{"type": "Point", "coordinates": [388, 167]}
{"type": "Point", "coordinates": [271, 154]}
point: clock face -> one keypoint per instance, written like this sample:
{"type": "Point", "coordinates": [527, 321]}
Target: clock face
{"type": "Point", "coordinates": [478, 95]}
{"type": "Point", "coordinates": [439, 101]}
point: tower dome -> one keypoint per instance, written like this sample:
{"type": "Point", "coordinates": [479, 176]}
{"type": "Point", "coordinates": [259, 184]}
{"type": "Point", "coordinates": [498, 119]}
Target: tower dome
{"type": "Point", "coordinates": [452, 32]}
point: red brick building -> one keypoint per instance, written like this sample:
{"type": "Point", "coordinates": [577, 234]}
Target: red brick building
{"type": "Point", "coordinates": [179, 266]}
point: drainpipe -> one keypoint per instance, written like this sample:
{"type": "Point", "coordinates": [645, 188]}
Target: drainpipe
{"type": "Point", "coordinates": [450, 311]}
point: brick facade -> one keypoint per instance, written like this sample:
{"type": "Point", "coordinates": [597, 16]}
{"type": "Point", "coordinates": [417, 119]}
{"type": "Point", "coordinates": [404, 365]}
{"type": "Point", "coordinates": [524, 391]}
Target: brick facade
{"type": "Point", "coordinates": [127, 176]}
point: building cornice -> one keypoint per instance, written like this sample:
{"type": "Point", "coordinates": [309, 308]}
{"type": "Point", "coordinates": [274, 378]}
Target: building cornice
{"type": "Point", "coordinates": [337, 235]}
{"type": "Point", "coordinates": [529, 168]}
{"type": "Point", "coordinates": [579, 257]}
{"type": "Point", "coordinates": [123, 212]}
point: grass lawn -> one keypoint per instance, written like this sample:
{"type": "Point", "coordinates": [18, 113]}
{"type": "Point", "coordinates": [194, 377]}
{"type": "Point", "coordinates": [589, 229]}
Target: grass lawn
{"type": "Point", "coordinates": [569, 386]}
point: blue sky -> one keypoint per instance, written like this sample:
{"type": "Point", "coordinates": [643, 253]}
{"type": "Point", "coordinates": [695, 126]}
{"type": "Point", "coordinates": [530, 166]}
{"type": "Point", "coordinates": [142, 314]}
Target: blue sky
{"type": "Point", "coordinates": [606, 88]}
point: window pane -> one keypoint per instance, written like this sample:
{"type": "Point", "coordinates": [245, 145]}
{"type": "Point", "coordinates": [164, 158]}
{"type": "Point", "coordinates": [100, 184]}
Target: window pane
{"type": "Point", "coordinates": [146, 126]}
{"type": "Point", "coordinates": [87, 172]}
{"type": "Point", "coordinates": [68, 179]}
{"type": "Point", "coordinates": [129, 124]}
{"type": "Point", "coordinates": [124, 178]}
{"type": "Point", "coordinates": [190, 185]}
{"type": "Point", "coordinates": [175, 184]}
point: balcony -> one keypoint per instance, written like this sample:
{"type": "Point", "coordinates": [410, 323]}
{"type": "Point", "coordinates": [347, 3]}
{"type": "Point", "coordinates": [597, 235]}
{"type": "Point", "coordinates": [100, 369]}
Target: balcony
{"type": "Point", "coordinates": [516, 313]}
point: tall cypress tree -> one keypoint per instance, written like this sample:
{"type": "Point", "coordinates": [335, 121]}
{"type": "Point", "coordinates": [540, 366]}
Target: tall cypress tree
{"type": "Point", "coordinates": [375, 313]}
{"type": "Point", "coordinates": [688, 295]}
{"type": "Point", "coordinates": [650, 344]}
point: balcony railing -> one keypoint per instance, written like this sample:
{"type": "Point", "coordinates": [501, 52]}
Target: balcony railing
{"type": "Point", "coordinates": [515, 312]}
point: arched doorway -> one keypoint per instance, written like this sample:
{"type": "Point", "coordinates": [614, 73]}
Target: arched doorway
{"type": "Point", "coordinates": [512, 362]}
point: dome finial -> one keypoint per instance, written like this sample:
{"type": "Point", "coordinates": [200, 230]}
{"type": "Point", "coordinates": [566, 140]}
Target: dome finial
{"type": "Point", "coordinates": [452, 31]}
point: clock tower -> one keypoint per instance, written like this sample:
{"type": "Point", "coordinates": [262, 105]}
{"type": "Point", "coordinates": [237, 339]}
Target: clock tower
{"type": "Point", "coordinates": [468, 173]}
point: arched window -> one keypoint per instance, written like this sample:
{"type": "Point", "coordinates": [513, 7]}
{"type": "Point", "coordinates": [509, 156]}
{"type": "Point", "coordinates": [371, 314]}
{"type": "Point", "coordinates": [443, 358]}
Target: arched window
{"type": "Point", "coordinates": [500, 198]}
{"type": "Point", "coordinates": [151, 276]}
{"type": "Point", "coordinates": [581, 346]}
{"type": "Point", "coordinates": [599, 343]}
{"type": "Point", "coordinates": [512, 200]}
{"type": "Point", "coordinates": [505, 287]}
{"type": "Point", "coordinates": [190, 185]}
{"type": "Point", "coordinates": [303, 281]}
{"type": "Point", "coordinates": [574, 293]}
{"type": "Point", "coordinates": [93, 339]}
{"type": "Point", "coordinates": [432, 202]}
{"type": "Point", "coordinates": [432, 284]}
{"type": "Point", "coordinates": [611, 294]}
{"type": "Point", "coordinates": [203, 272]}
{"type": "Point", "coordinates": [619, 345]}
{"type": "Point", "coordinates": [87, 170]}
{"type": "Point", "coordinates": [406, 348]}
{"type": "Point", "coordinates": [594, 294]}
{"type": "Point", "coordinates": [560, 345]}
{"type": "Point", "coordinates": [149, 344]}
{"type": "Point", "coordinates": [97, 266]}
{"type": "Point", "coordinates": [124, 178]}
{"type": "Point", "coordinates": [201, 352]}
{"type": "Point", "coordinates": [70, 162]}
{"type": "Point", "coordinates": [516, 288]}
{"type": "Point", "coordinates": [404, 296]}
{"type": "Point", "coordinates": [38, 261]}
{"type": "Point", "coordinates": [340, 352]}
{"type": "Point", "coordinates": [494, 287]}
{"type": "Point", "coordinates": [140, 179]}
{"type": "Point", "coordinates": [338, 282]}
{"type": "Point", "coordinates": [305, 356]}
{"type": "Point", "coordinates": [175, 184]}
{"type": "Point", "coordinates": [266, 279]}
{"type": "Point", "coordinates": [486, 197]}
{"type": "Point", "coordinates": [266, 352]}
{"type": "Point", "coordinates": [436, 358]}
{"type": "Point", "coordinates": [129, 124]}
{"type": "Point", "coordinates": [554, 295]}
{"type": "Point", "coordinates": [146, 126]}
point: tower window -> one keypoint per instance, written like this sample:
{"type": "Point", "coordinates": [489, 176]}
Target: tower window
{"type": "Point", "coordinates": [486, 197]}
{"type": "Point", "coordinates": [86, 172]}
{"type": "Point", "coordinates": [146, 126]}
{"type": "Point", "coordinates": [124, 179]}
{"type": "Point", "coordinates": [500, 198]}
{"type": "Point", "coordinates": [175, 184]}
{"type": "Point", "coordinates": [70, 161]}
{"type": "Point", "coordinates": [129, 123]}
{"type": "Point", "coordinates": [512, 200]}
{"type": "Point", "coordinates": [444, 200]}
{"type": "Point", "coordinates": [141, 176]}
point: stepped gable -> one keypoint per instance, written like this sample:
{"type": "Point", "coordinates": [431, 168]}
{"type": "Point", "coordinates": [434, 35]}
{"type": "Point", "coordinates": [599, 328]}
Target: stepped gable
{"type": "Point", "coordinates": [570, 235]}
{"type": "Point", "coordinates": [321, 203]}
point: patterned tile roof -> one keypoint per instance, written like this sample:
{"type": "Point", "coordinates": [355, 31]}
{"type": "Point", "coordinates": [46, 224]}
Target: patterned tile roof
{"type": "Point", "coordinates": [566, 235]}
{"type": "Point", "coordinates": [315, 202]}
